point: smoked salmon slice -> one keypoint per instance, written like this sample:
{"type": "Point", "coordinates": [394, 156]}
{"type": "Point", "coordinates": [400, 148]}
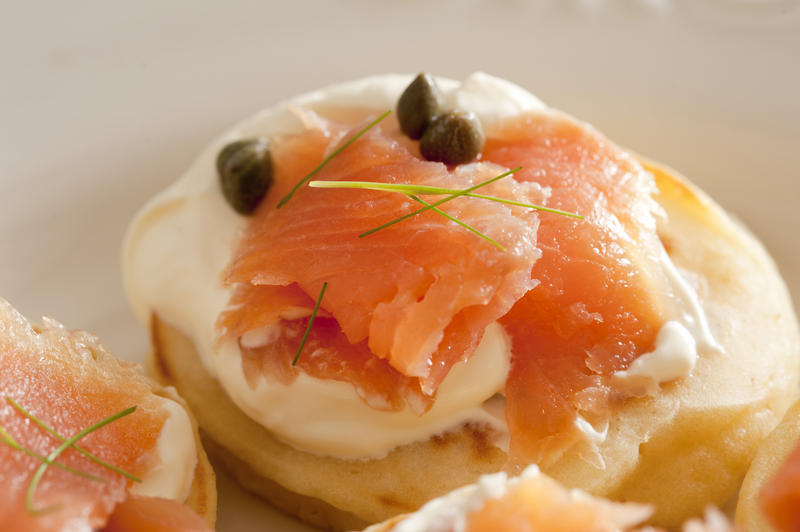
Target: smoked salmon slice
{"type": "Point", "coordinates": [780, 497]}
{"type": "Point", "coordinates": [534, 502]}
{"type": "Point", "coordinates": [540, 503]}
{"type": "Point", "coordinates": [153, 514]}
{"type": "Point", "coordinates": [69, 381]}
{"type": "Point", "coordinates": [602, 293]}
{"type": "Point", "coordinates": [580, 299]}
{"type": "Point", "coordinates": [419, 295]}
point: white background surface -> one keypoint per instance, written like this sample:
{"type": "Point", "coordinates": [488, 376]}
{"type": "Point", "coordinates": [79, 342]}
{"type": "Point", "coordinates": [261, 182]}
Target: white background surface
{"type": "Point", "coordinates": [104, 103]}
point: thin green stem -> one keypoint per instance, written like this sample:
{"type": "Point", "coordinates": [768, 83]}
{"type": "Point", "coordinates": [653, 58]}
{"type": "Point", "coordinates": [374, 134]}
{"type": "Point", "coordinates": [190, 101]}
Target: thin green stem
{"type": "Point", "coordinates": [8, 438]}
{"type": "Point", "coordinates": [310, 322]}
{"type": "Point", "coordinates": [427, 190]}
{"type": "Point", "coordinates": [527, 205]}
{"type": "Point", "coordinates": [390, 187]}
{"type": "Point", "coordinates": [11, 442]}
{"type": "Point", "coordinates": [327, 159]}
{"type": "Point", "coordinates": [459, 222]}
{"type": "Point", "coordinates": [441, 201]}
{"type": "Point", "coordinates": [81, 450]}
{"type": "Point", "coordinates": [51, 458]}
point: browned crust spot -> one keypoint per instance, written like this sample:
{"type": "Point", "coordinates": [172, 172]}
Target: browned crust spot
{"type": "Point", "coordinates": [389, 500]}
{"type": "Point", "coordinates": [443, 440]}
{"type": "Point", "coordinates": [481, 444]}
{"type": "Point", "coordinates": [479, 435]}
{"type": "Point", "coordinates": [667, 243]}
{"type": "Point", "coordinates": [203, 495]}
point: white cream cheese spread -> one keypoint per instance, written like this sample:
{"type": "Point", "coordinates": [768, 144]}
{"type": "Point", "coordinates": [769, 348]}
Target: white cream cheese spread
{"type": "Point", "coordinates": [339, 423]}
{"type": "Point", "coordinates": [677, 343]}
{"type": "Point", "coordinates": [181, 241]}
{"type": "Point", "coordinates": [172, 477]}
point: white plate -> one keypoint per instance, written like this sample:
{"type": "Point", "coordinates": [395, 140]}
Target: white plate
{"type": "Point", "coordinates": [102, 104]}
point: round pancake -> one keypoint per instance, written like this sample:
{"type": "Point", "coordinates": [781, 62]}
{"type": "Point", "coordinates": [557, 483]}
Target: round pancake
{"type": "Point", "coordinates": [770, 456]}
{"type": "Point", "coordinates": [685, 448]}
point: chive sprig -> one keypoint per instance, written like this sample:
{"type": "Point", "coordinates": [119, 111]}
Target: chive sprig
{"type": "Point", "coordinates": [310, 323]}
{"type": "Point", "coordinates": [50, 460]}
{"type": "Point", "coordinates": [9, 440]}
{"type": "Point", "coordinates": [81, 450]}
{"type": "Point", "coordinates": [327, 159]}
{"type": "Point", "coordinates": [465, 225]}
{"type": "Point", "coordinates": [434, 191]}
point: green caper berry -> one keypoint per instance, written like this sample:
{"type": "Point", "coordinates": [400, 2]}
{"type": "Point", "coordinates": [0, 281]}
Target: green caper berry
{"type": "Point", "coordinates": [453, 138]}
{"type": "Point", "coordinates": [245, 173]}
{"type": "Point", "coordinates": [418, 104]}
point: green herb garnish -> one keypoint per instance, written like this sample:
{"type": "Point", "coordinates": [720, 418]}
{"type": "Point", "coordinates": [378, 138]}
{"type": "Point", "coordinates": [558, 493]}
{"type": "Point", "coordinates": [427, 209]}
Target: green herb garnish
{"type": "Point", "coordinates": [327, 159]}
{"type": "Point", "coordinates": [6, 438]}
{"type": "Point", "coordinates": [412, 190]}
{"type": "Point", "coordinates": [459, 222]}
{"type": "Point", "coordinates": [433, 191]}
{"type": "Point", "coordinates": [310, 322]}
{"type": "Point", "coordinates": [443, 200]}
{"type": "Point", "coordinates": [81, 450]}
{"type": "Point", "coordinates": [51, 458]}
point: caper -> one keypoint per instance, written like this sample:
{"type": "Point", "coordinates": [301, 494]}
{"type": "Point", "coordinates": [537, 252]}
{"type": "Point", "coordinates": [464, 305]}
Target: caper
{"type": "Point", "coordinates": [245, 173]}
{"type": "Point", "coordinates": [453, 138]}
{"type": "Point", "coordinates": [418, 104]}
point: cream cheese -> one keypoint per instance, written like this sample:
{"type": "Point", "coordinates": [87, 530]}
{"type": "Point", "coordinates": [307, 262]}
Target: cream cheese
{"type": "Point", "coordinates": [678, 341]}
{"type": "Point", "coordinates": [339, 423]}
{"type": "Point", "coordinates": [674, 356]}
{"type": "Point", "coordinates": [177, 457]}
